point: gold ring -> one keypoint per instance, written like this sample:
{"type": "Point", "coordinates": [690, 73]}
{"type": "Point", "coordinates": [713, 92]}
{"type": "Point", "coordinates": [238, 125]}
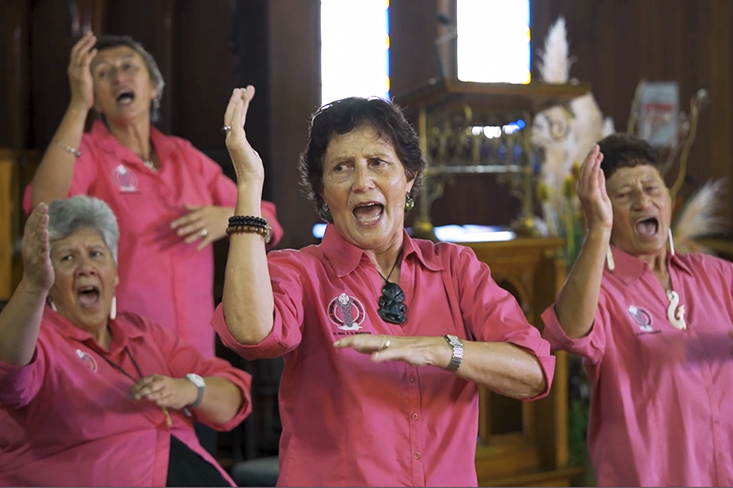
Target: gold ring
{"type": "Point", "coordinates": [204, 232]}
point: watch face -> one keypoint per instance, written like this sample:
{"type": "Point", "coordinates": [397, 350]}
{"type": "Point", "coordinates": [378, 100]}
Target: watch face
{"type": "Point", "coordinates": [195, 379]}
{"type": "Point", "coordinates": [453, 340]}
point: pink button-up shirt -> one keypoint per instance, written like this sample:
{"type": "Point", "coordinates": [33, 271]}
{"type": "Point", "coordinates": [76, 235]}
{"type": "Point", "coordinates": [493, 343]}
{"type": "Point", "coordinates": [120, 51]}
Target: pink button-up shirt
{"type": "Point", "coordinates": [662, 402]}
{"type": "Point", "coordinates": [161, 277]}
{"type": "Point", "coordinates": [66, 420]}
{"type": "Point", "coordinates": [348, 421]}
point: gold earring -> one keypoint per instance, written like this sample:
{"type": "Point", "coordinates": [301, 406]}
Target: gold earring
{"type": "Point", "coordinates": [326, 213]}
{"type": "Point", "coordinates": [409, 203]}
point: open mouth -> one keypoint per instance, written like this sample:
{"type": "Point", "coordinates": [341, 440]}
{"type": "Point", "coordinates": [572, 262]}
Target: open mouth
{"type": "Point", "coordinates": [368, 213]}
{"type": "Point", "coordinates": [88, 296]}
{"type": "Point", "coordinates": [647, 227]}
{"type": "Point", "coordinates": [125, 97]}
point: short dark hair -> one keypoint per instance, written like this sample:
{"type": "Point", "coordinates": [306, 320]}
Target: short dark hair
{"type": "Point", "coordinates": [109, 42]}
{"type": "Point", "coordinates": [343, 116]}
{"type": "Point", "coordinates": [625, 150]}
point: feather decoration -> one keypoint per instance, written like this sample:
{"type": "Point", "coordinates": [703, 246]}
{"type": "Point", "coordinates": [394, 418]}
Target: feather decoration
{"type": "Point", "coordinates": [701, 214]}
{"type": "Point", "coordinates": [554, 64]}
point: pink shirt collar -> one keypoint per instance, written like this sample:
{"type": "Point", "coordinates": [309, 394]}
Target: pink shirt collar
{"type": "Point", "coordinates": [108, 143]}
{"type": "Point", "coordinates": [345, 256]}
{"type": "Point", "coordinates": [630, 268]}
{"type": "Point", "coordinates": [122, 332]}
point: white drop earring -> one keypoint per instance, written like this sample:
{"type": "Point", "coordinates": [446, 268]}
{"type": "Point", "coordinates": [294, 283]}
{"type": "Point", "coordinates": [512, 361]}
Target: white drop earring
{"type": "Point", "coordinates": [113, 309]}
{"type": "Point", "coordinates": [609, 259]}
{"type": "Point", "coordinates": [671, 242]}
{"type": "Point", "coordinates": [53, 305]}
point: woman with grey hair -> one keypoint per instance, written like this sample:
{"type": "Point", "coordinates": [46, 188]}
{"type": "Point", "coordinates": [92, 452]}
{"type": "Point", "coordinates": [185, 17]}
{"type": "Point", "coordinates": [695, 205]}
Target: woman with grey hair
{"type": "Point", "coordinates": [171, 200]}
{"type": "Point", "coordinates": [92, 397]}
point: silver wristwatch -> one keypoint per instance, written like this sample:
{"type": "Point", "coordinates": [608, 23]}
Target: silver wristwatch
{"type": "Point", "coordinates": [200, 384]}
{"type": "Point", "coordinates": [457, 357]}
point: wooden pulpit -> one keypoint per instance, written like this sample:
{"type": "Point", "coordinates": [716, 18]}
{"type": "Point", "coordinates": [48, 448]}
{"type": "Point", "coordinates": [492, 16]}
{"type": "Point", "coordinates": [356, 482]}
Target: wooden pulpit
{"type": "Point", "coordinates": [525, 443]}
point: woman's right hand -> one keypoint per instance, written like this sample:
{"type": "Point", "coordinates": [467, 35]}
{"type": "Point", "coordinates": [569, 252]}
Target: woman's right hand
{"type": "Point", "coordinates": [80, 75]}
{"type": "Point", "coordinates": [247, 162]}
{"type": "Point", "coordinates": [36, 251]}
{"type": "Point", "coordinates": [591, 188]}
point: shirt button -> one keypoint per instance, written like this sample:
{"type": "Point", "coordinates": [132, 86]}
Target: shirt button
{"type": "Point", "coordinates": [418, 455]}
{"type": "Point", "coordinates": [415, 416]}
{"type": "Point", "coordinates": [412, 378]}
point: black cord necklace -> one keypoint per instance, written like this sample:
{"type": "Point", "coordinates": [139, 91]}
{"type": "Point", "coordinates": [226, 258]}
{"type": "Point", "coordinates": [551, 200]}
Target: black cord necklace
{"type": "Point", "coordinates": [392, 308]}
{"type": "Point", "coordinates": [116, 366]}
{"type": "Point", "coordinates": [119, 368]}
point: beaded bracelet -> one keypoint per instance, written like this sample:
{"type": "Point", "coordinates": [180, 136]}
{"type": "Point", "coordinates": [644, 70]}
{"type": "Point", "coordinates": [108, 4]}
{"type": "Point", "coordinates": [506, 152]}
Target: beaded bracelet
{"type": "Point", "coordinates": [263, 230]}
{"type": "Point", "coordinates": [67, 148]}
{"type": "Point", "coordinates": [247, 220]}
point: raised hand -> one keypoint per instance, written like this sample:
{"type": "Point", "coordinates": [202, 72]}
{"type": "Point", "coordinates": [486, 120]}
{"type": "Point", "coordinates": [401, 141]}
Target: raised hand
{"type": "Point", "coordinates": [208, 223]}
{"type": "Point", "coordinates": [247, 162]}
{"type": "Point", "coordinates": [80, 76]}
{"type": "Point", "coordinates": [591, 188]}
{"type": "Point", "coordinates": [36, 251]}
{"type": "Point", "coordinates": [164, 391]}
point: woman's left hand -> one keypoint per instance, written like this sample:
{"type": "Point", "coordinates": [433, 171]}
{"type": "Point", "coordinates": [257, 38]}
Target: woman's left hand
{"type": "Point", "coordinates": [165, 391]}
{"type": "Point", "coordinates": [208, 223]}
{"type": "Point", "coordinates": [417, 351]}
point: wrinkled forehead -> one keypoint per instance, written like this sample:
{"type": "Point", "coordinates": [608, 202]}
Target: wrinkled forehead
{"type": "Point", "coordinates": [81, 238]}
{"type": "Point", "coordinates": [114, 55]}
{"type": "Point", "coordinates": [628, 175]}
{"type": "Point", "coordinates": [359, 139]}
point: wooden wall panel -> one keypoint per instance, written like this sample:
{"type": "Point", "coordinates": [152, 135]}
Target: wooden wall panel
{"type": "Point", "coordinates": [294, 94]}
{"type": "Point", "coordinates": [14, 73]}
{"type": "Point", "coordinates": [413, 29]}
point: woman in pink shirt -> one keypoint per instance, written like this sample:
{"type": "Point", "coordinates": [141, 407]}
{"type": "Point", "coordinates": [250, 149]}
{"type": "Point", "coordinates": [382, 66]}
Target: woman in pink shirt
{"type": "Point", "coordinates": [92, 397]}
{"type": "Point", "coordinates": [385, 338]}
{"type": "Point", "coordinates": [653, 328]}
{"type": "Point", "coordinates": [170, 199]}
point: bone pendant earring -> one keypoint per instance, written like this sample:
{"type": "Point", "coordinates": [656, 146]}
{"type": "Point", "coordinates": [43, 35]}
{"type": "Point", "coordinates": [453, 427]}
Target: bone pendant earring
{"type": "Point", "coordinates": [113, 309]}
{"type": "Point", "coordinates": [671, 243]}
{"type": "Point", "coordinates": [609, 259]}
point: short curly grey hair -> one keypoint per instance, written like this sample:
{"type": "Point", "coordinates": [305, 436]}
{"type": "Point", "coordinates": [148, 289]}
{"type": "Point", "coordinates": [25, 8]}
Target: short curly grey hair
{"type": "Point", "coordinates": [108, 42]}
{"type": "Point", "coordinates": [71, 214]}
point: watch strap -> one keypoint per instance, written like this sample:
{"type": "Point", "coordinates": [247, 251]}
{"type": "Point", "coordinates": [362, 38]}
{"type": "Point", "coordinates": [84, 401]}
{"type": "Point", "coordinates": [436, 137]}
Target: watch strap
{"type": "Point", "coordinates": [457, 356]}
{"type": "Point", "coordinates": [198, 381]}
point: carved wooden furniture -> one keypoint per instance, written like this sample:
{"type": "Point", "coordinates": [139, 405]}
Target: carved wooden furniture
{"type": "Point", "coordinates": [477, 128]}
{"type": "Point", "coordinates": [525, 443]}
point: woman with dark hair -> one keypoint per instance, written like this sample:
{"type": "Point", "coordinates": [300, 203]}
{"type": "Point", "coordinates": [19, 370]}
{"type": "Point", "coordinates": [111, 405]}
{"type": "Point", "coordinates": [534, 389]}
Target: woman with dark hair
{"type": "Point", "coordinates": [90, 396]}
{"type": "Point", "coordinates": [170, 199]}
{"type": "Point", "coordinates": [385, 338]}
{"type": "Point", "coordinates": [652, 326]}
